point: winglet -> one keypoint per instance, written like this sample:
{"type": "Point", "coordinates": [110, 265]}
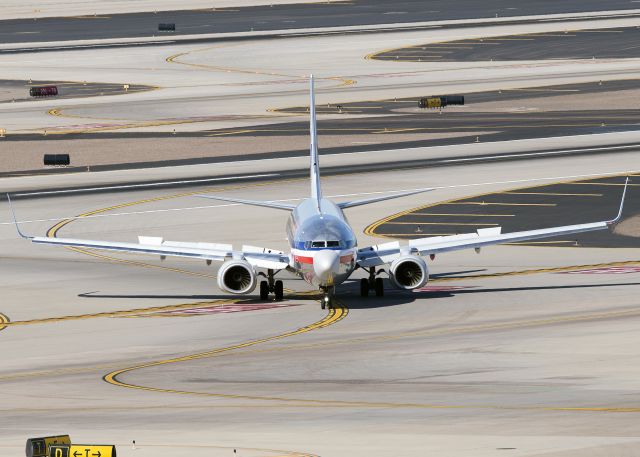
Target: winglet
{"type": "Point", "coordinates": [15, 220]}
{"type": "Point", "coordinates": [619, 216]}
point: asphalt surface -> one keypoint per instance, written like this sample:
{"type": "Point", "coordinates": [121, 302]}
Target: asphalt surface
{"type": "Point", "coordinates": [399, 105]}
{"type": "Point", "coordinates": [378, 118]}
{"type": "Point", "coordinates": [614, 43]}
{"type": "Point", "coordinates": [278, 17]}
{"type": "Point", "coordinates": [527, 208]}
{"type": "Point", "coordinates": [66, 89]}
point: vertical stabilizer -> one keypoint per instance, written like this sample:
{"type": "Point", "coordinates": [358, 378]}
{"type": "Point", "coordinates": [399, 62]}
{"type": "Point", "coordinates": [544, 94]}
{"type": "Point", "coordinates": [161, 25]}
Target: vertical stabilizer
{"type": "Point", "coordinates": [316, 191]}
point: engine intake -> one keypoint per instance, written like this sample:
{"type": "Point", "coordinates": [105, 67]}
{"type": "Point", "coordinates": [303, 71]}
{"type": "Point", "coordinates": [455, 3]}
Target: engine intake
{"type": "Point", "coordinates": [409, 272]}
{"type": "Point", "coordinates": [237, 277]}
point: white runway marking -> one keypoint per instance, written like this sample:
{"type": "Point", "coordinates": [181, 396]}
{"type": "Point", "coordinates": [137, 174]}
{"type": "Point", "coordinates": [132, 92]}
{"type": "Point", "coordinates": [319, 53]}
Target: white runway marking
{"type": "Point", "coordinates": [131, 213]}
{"type": "Point", "coordinates": [144, 185]}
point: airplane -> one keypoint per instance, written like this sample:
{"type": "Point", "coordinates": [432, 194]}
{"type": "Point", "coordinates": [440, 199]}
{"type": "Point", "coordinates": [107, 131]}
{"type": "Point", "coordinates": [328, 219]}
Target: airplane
{"type": "Point", "coordinates": [323, 246]}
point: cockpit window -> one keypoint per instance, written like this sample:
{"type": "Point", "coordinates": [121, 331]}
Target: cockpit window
{"type": "Point", "coordinates": [333, 244]}
{"type": "Point", "coordinates": [317, 244]}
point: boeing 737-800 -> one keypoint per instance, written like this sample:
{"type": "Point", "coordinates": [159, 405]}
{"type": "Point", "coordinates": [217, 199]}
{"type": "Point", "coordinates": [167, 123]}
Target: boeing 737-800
{"type": "Point", "coordinates": [323, 246]}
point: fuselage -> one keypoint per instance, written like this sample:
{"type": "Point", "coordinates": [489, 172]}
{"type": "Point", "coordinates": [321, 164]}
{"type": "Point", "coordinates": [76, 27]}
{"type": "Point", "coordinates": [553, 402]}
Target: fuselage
{"type": "Point", "coordinates": [323, 244]}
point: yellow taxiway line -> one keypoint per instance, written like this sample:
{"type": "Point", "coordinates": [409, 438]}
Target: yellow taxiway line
{"type": "Point", "coordinates": [334, 315]}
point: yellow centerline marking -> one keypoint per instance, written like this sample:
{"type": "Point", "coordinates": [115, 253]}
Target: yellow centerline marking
{"type": "Point", "coordinates": [551, 193]}
{"type": "Point", "coordinates": [500, 204]}
{"type": "Point", "coordinates": [463, 214]}
{"type": "Point", "coordinates": [442, 223]}
{"type": "Point", "coordinates": [121, 313]}
{"type": "Point", "coordinates": [334, 315]}
{"type": "Point", "coordinates": [4, 320]}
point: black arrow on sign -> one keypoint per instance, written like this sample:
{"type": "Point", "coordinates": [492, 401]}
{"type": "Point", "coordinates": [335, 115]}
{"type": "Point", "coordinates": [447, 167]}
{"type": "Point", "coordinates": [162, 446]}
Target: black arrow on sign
{"type": "Point", "coordinates": [98, 454]}
{"type": "Point", "coordinates": [76, 454]}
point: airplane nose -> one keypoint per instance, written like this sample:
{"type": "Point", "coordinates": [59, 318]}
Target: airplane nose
{"type": "Point", "coordinates": [326, 264]}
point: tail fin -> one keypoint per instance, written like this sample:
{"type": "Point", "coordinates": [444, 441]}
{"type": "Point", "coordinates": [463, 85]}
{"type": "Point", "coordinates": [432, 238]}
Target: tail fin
{"type": "Point", "coordinates": [316, 191]}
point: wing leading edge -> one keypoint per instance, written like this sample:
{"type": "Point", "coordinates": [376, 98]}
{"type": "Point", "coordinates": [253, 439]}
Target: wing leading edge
{"type": "Point", "coordinates": [256, 256]}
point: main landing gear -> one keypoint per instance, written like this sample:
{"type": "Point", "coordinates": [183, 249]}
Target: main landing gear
{"type": "Point", "coordinates": [271, 285]}
{"type": "Point", "coordinates": [372, 283]}
{"type": "Point", "coordinates": [328, 297]}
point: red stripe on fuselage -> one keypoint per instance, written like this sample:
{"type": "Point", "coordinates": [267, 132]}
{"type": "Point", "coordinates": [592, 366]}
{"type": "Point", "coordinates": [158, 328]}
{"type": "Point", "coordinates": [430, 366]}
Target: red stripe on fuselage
{"type": "Point", "coordinates": [301, 259]}
{"type": "Point", "coordinates": [345, 259]}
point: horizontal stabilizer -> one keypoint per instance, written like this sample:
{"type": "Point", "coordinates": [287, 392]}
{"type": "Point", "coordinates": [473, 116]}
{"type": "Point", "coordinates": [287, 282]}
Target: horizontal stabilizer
{"type": "Point", "coordinates": [284, 206]}
{"type": "Point", "coordinates": [368, 201]}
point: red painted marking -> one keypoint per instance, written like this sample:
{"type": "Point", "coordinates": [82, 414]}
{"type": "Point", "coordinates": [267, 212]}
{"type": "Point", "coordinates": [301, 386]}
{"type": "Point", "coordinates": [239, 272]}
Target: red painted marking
{"type": "Point", "coordinates": [222, 309]}
{"type": "Point", "coordinates": [604, 271]}
{"type": "Point", "coordinates": [301, 259]}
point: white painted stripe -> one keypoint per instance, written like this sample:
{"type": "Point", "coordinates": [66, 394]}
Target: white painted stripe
{"type": "Point", "coordinates": [145, 185]}
{"type": "Point", "coordinates": [530, 154]}
{"type": "Point", "coordinates": [513, 181]}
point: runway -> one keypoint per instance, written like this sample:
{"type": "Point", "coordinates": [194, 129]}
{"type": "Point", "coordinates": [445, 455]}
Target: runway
{"type": "Point", "coordinates": [569, 44]}
{"type": "Point", "coordinates": [278, 17]}
{"type": "Point", "coordinates": [255, 370]}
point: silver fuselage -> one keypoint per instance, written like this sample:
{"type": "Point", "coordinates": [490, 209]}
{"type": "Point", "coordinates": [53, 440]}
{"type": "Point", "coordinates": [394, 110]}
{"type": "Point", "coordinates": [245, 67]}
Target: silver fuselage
{"type": "Point", "coordinates": [323, 245]}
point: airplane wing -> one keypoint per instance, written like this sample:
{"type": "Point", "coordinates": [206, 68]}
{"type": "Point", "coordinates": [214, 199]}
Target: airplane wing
{"type": "Point", "coordinates": [256, 256]}
{"type": "Point", "coordinates": [388, 252]}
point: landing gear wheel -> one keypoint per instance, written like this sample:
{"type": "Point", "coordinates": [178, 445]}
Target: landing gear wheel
{"type": "Point", "coordinates": [279, 290]}
{"type": "Point", "coordinates": [264, 290]}
{"type": "Point", "coordinates": [364, 287]}
{"type": "Point", "coordinates": [322, 304]}
{"type": "Point", "coordinates": [379, 286]}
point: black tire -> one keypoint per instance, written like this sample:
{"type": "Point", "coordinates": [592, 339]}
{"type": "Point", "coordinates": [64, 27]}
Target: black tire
{"type": "Point", "coordinates": [379, 287]}
{"type": "Point", "coordinates": [264, 290]}
{"type": "Point", "coordinates": [364, 287]}
{"type": "Point", "coordinates": [279, 290]}
{"type": "Point", "coordinates": [322, 305]}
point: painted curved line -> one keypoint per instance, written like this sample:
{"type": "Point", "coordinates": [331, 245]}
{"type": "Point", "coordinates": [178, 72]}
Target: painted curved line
{"type": "Point", "coordinates": [4, 321]}
{"type": "Point", "coordinates": [334, 316]}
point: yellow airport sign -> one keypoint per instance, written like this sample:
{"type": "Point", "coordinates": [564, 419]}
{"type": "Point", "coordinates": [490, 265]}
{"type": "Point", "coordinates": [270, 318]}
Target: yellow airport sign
{"type": "Point", "coordinates": [82, 450]}
{"type": "Point", "coordinates": [38, 447]}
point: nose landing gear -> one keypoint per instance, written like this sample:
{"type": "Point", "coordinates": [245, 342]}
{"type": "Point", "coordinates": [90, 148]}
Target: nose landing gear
{"type": "Point", "coordinates": [271, 285]}
{"type": "Point", "coordinates": [328, 297]}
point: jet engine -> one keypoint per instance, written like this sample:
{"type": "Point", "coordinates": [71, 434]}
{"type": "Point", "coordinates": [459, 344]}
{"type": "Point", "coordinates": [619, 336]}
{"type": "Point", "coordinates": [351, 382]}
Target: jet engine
{"type": "Point", "coordinates": [409, 272]}
{"type": "Point", "coordinates": [237, 277]}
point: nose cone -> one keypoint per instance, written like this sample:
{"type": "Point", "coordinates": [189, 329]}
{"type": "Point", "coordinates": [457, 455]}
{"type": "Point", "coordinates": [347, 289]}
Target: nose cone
{"type": "Point", "coordinates": [326, 264]}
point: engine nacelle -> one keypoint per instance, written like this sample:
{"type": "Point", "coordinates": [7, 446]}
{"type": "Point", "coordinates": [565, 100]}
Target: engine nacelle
{"type": "Point", "coordinates": [409, 272]}
{"type": "Point", "coordinates": [237, 277]}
